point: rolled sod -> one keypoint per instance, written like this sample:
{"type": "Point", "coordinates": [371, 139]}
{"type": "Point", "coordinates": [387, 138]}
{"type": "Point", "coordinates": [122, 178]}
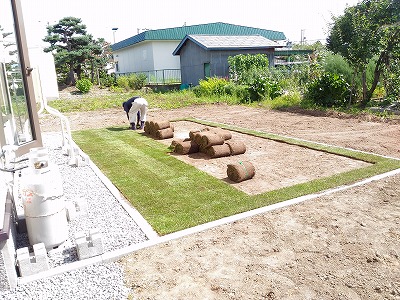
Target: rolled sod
{"type": "Point", "coordinates": [225, 134]}
{"type": "Point", "coordinates": [211, 138]}
{"type": "Point", "coordinates": [197, 138]}
{"type": "Point", "coordinates": [193, 133]}
{"type": "Point", "coordinates": [163, 124]}
{"type": "Point", "coordinates": [203, 149]}
{"type": "Point", "coordinates": [147, 127]}
{"type": "Point", "coordinates": [165, 133]}
{"type": "Point", "coordinates": [174, 143]}
{"type": "Point", "coordinates": [237, 147]}
{"type": "Point", "coordinates": [218, 151]}
{"type": "Point", "coordinates": [187, 147]}
{"type": "Point", "coordinates": [240, 171]}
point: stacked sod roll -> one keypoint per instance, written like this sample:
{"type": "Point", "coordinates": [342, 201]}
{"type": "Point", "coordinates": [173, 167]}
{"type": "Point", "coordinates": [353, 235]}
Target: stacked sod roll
{"type": "Point", "coordinates": [185, 147]}
{"type": "Point", "coordinates": [161, 130]}
{"type": "Point", "coordinates": [217, 142]}
{"type": "Point", "coordinates": [214, 142]}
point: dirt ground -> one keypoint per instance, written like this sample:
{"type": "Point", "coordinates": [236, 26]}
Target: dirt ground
{"type": "Point", "coordinates": [342, 246]}
{"type": "Point", "coordinates": [277, 164]}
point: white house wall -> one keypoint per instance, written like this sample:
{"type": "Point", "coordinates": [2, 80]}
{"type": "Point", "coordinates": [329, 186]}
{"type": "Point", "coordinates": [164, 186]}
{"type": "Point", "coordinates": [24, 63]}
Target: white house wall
{"type": "Point", "coordinates": [163, 58]}
{"type": "Point", "coordinates": [147, 56]}
{"type": "Point", "coordinates": [136, 58]}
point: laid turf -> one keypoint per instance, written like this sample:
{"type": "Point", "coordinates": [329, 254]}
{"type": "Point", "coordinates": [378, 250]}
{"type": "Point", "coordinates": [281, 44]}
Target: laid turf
{"type": "Point", "coordinates": [172, 195]}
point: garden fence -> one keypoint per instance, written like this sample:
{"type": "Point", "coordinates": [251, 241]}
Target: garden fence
{"type": "Point", "coordinates": [165, 76]}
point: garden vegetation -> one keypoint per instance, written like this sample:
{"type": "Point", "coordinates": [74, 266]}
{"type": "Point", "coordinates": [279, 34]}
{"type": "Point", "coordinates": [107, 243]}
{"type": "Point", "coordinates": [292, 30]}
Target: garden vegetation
{"type": "Point", "coordinates": [358, 67]}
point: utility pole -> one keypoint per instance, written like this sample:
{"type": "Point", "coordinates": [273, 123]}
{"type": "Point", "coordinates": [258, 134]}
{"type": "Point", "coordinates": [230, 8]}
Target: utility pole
{"type": "Point", "coordinates": [114, 30]}
{"type": "Point", "coordinates": [302, 37]}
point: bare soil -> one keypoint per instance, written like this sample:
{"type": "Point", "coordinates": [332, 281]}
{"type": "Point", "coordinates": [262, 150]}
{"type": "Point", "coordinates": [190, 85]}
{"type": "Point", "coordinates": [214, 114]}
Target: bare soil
{"type": "Point", "coordinates": [342, 246]}
{"type": "Point", "coordinates": [277, 164]}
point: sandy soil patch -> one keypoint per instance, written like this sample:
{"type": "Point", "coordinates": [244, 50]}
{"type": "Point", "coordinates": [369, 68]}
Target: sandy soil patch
{"type": "Point", "coordinates": [277, 164]}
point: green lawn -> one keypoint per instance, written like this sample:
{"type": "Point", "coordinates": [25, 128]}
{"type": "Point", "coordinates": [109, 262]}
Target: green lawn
{"type": "Point", "coordinates": [172, 195]}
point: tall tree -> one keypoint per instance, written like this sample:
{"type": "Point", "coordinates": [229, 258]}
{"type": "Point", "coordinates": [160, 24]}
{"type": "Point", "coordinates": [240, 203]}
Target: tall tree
{"type": "Point", "coordinates": [70, 45]}
{"type": "Point", "coordinates": [101, 57]}
{"type": "Point", "coordinates": [369, 29]}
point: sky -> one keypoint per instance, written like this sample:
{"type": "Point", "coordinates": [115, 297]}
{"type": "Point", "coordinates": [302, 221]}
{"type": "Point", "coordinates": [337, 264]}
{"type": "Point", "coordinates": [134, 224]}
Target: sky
{"type": "Point", "coordinates": [295, 18]}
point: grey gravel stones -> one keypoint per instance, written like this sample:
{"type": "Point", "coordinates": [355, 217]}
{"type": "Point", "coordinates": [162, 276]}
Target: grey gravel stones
{"type": "Point", "coordinates": [105, 213]}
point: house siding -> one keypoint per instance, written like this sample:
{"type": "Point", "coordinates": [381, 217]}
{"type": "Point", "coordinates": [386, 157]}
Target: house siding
{"type": "Point", "coordinates": [193, 58]}
{"type": "Point", "coordinates": [135, 59]}
{"type": "Point", "coordinates": [147, 56]}
{"type": "Point", "coordinates": [162, 52]}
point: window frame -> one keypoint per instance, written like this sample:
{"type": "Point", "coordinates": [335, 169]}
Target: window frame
{"type": "Point", "coordinates": [26, 71]}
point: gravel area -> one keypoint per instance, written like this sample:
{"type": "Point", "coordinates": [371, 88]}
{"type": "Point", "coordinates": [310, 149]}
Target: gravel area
{"type": "Point", "coordinates": [105, 213]}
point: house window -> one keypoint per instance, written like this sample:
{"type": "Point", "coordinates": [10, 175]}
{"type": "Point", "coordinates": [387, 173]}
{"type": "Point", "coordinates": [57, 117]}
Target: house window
{"type": "Point", "coordinates": [19, 120]}
{"type": "Point", "coordinates": [207, 70]}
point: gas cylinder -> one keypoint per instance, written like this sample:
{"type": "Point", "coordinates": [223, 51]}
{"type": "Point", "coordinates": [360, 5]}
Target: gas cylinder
{"type": "Point", "coordinates": [43, 201]}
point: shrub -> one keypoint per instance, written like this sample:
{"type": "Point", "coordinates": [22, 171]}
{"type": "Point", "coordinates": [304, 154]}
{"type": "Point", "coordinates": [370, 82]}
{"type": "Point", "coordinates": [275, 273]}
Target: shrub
{"type": "Point", "coordinates": [229, 89]}
{"type": "Point", "coordinates": [391, 81]}
{"type": "Point", "coordinates": [264, 87]}
{"type": "Point", "coordinates": [240, 92]}
{"type": "Point", "coordinates": [211, 86]}
{"type": "Point", "coordinates": [137, 81]}
{"type": "Point", "coordinates": [122, 82]}
{"type": "Point", "coordinates": [197, 91]}
{"type": "Point", "coordinates": [379, 92]}
{"type": "Point", "coordinates": [300, 76]}
{"type": "Point", "coordinates": [221, 88]}
{"type": "Point", "coordinates": [336, 64]}
{"type": "Point", "coordinates": [329, 90]}
{"type": "Point", "coordinates": [84, 85]}
{"type": "Point", "coordinates": [243, 66]}
{"type": "Point", "coordinates": [117, 89]}
{"type": "Point", "coordinates": [290, 99]}
{"type": "Point", "coordinates": [108, 80]}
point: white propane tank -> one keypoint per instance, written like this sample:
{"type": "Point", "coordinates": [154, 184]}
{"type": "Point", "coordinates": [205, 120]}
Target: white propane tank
{"type": "Point", "coordinates": [43, 201]}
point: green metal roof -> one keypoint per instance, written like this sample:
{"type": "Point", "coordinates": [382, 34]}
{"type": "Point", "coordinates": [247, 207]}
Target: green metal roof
{"type": "Point", "coordinates": [178, 33]}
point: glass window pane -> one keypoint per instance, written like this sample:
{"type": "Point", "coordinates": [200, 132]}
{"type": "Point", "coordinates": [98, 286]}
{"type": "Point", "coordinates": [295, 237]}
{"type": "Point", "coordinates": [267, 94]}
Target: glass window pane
{"type": "Point", "coordinates": [13, 100]}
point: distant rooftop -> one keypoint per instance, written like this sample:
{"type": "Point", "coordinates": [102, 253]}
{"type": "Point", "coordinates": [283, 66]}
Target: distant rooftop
{"type": "Point", "coordinates": [178, 33]}
{"type": "Point", "coordinates": [224, 42]}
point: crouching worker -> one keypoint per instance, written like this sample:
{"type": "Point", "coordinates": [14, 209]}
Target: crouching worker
{"type": "Point", "coordinates": [127, 106]}
{"type": "Point", "coordinates": [136, 111]}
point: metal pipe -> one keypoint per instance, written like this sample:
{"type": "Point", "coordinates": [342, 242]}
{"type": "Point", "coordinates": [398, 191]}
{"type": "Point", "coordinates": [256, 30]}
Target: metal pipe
{"type": "Point", "coordinates": [65, 125]}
